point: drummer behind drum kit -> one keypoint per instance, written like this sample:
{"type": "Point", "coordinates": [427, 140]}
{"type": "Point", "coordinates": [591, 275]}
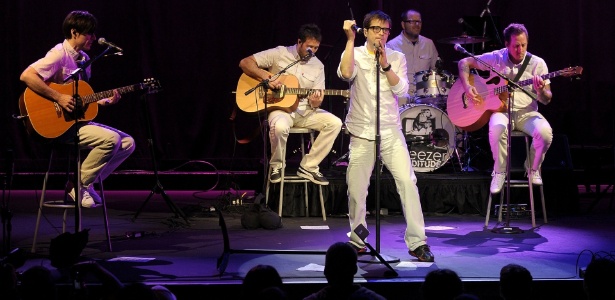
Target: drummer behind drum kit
{"type": "Point", "coordinates": [431, 136]}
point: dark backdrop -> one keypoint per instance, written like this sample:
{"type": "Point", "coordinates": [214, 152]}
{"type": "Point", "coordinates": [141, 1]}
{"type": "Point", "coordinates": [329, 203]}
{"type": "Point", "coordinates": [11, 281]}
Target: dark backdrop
{"type": "Point", "coordinates": [193, 48]}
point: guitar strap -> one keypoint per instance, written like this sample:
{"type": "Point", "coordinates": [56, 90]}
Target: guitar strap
{"type": "Point", "coordinates": [528, 56]}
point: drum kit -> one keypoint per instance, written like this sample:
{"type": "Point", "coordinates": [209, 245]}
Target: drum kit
{"type": "Point", "coordinates": [431, 136]}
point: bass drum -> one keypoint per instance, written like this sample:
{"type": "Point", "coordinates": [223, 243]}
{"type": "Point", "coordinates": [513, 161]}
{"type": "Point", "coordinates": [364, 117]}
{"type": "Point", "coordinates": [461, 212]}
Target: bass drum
{"type": "Point", "coordinates": [430, 135]}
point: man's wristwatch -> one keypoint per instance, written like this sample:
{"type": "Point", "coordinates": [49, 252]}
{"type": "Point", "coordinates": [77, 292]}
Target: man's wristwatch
{"type": "Point", "coordinates": [387, 68]}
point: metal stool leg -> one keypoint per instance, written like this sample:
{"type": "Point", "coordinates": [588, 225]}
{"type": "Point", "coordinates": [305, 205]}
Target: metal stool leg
{"type": "Point", "coordinates": [40, 205]}
{"type": "Point", "coordinates": [105, 215]}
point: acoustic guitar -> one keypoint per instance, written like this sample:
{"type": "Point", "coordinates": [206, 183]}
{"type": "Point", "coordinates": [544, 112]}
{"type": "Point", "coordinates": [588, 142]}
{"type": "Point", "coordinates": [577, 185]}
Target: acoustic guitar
{"type": "Point", "coordinates": [493, 96]}
{"type": "Point", "coordinates": [48, 119]}
{"type": "Point", "coordinates": [285, 98]}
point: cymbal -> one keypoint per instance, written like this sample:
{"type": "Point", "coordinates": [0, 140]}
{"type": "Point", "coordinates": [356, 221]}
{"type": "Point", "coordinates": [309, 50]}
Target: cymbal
{"type": "Point", "coordinates": [463, 39]}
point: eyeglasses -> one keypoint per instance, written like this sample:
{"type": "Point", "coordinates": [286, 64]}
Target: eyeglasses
{"type": "Point", "coordinates": [417, 22]}
{"type": "Point", "coordinates": [377, 29]}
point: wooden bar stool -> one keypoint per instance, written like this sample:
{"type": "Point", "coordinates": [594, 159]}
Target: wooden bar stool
{"type": "Point", "coordinates": [295, 178]}
{"type": "Point", "coordinates": [520, 184]}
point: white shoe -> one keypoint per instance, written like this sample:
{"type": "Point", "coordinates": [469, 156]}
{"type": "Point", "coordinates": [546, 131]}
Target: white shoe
{"type": "Point", "coordinates": [497, 182]}
{"type": "Point", "coordinates": [89, 197]}
{"type": "Point", "coordinates": [534, 175]}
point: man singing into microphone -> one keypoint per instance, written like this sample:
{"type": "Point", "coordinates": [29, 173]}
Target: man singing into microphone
{"type": "Point", "coordinates": [358, 66]}
{"type": "Point", "coordinates": [509, 61]}
{"type": "Point", "coordinates": [310, 73]}
{"type": "Point", "coordinates": [109, 146]}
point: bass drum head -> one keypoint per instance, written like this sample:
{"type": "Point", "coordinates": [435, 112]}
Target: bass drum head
{"type": "Point", "coordinates": [430, 135]}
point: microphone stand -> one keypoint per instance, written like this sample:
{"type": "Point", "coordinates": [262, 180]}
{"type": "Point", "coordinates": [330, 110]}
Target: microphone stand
{"type": "Point", "coordinates": [512, 86]}
{"type": "Point", "coordinates": [375, 252]}
{"type": "Point", "coordinates": [76, 114]}
{"type": "Point", "coordinates": [495, 29]}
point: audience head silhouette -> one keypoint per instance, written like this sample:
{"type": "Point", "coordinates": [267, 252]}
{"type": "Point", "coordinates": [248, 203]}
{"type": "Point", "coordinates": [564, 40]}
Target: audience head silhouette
{"type": "Point", "coordinates": [340, 264]}
{"type": "Point", "coordinates": [340, 268]}
{"type": "Point", "coordinates": [515, 282]}
{"type": "Point", "coordinates": [442, 284]}
{"type": "Point", "coordinates": [599, 280]}
{"type": "Point", "coordinates": [37, 283]}
{"type": "Point", "coordinates": [260, 278]}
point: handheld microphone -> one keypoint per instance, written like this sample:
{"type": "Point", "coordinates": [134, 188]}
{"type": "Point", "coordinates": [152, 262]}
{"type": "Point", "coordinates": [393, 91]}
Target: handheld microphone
{"type": "Point", "coordinates": [357, 29]}
{"type": "Point", "coordinates": [460, 49]}
{"type": "Point", "coordinates": [310, 52]}
{"type": "Point", "coordinates": [103, 41]}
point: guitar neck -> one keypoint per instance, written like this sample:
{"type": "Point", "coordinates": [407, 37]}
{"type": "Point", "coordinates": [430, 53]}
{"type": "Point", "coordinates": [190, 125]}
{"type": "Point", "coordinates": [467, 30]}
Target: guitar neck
{"type": "Point", "coordinates": [504, 88]}
{"type": "Point", "coordinates": [106, 94]}
{"type": "Point", "coordinates": [303, 91]}
{"type": "Point", "coordinates": [544, 77]}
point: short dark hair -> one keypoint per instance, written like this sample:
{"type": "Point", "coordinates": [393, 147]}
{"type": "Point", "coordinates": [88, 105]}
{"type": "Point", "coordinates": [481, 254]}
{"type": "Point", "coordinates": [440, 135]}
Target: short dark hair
{"type": "Point", "coordinates": [404, 15]}
{"type": "Point", "coordinates": [310, 31]}
{"type": "Point", "coordinates": [376, 14]}
{"type": "Point", "coordinates": [260, 277]}
{"type": "Point", "coordinates": [82, 21]}
{"type": "Point", "coordinates": [340, 263]}
{"type": "Point", "coordinates": [441, 284]}
{"type": "Point", "coordinates": [515, 29]}
{"type": "Point", "coordinates": [515, 281]}
{"type": "Point", "coordinates": [598, 280]}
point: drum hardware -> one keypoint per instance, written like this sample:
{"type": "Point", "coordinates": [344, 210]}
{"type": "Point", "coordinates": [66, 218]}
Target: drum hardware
{"type": "Point", "coordinates": [432, 87]}
{"type": "Point", "coordinates": [430, 136]}
{"type": "Point", "coordinates": [463, 39]}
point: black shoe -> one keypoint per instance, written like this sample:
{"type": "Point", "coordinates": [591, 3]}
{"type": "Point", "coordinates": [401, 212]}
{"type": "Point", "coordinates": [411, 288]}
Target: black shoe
{"type": "Point", "coordinates": [360, 250]}
{"type": "Point", "coordinates": [276, 175]}
{"type": "Point", "coordinates": [315, 177]}
{"type": "Point", "coordinates": [422, 253]}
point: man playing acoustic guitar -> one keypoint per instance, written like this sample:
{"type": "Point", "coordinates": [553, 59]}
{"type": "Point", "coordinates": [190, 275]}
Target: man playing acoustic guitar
{"type": "Point", "coordinates": [109, 146]}
{"type": "Point", "coordinates": [525, 116]}
{"type": "Point", "coordinates": [310, 74]}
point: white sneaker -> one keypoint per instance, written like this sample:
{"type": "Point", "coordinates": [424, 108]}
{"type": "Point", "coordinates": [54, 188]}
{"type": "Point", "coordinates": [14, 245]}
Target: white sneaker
{"type": "Point", "coordinates": [534, 175]}
{"type": "Point", "coordinates": [89, 197]}
{"type": "Point", "coordinates": [497, 182]}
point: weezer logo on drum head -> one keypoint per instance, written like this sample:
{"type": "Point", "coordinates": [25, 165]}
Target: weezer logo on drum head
{"type": "Point", "coordinates": [430, 136]}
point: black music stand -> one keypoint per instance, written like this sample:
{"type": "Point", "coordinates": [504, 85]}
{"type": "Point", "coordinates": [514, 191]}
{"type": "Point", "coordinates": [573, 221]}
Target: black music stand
{"type": "Point", "coordinates": [158, 188]}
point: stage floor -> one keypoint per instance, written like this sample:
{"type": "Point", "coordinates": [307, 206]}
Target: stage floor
{"type": "Point", "coordinates": [185, 257]}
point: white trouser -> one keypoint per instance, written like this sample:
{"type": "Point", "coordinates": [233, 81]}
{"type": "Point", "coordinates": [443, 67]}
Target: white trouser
{"type": "Point", "coordinates": [531, 123]}
{"type": "Point", "coordinates": [109, 148]}
{"type": "Point", "coordinates": [327, 124]}
{"type": "Point", "coordinates": [395, 156]}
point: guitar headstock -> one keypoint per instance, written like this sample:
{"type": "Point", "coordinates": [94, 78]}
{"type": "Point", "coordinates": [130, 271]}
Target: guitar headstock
{"type": "Point", "coordinates": [151, 85]}
{"type": "Point", "coordinates": [572, 71]}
